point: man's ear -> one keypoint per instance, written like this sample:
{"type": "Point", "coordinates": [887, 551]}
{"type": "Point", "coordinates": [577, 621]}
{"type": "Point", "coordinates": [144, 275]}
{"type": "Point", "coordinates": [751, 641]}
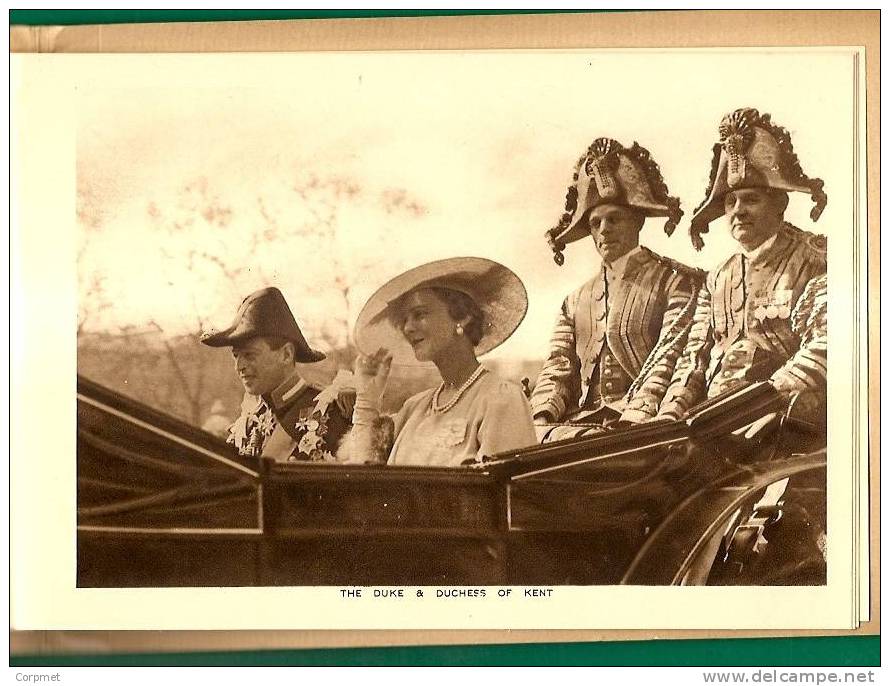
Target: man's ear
{"type": "Point", "coordinates": [290, 352]}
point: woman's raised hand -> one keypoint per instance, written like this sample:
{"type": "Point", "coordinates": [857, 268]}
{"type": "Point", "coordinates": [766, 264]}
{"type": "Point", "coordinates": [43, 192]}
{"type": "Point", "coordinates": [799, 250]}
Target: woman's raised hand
{"type": "Point", "coordinates": [372, 373]}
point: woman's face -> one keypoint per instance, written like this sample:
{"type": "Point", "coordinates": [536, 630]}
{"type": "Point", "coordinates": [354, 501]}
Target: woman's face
{"type": "Point", "coordinates": [427, 325]}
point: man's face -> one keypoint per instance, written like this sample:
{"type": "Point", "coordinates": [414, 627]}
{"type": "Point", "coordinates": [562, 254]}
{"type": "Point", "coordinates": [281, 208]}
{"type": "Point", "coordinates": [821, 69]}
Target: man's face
{"type": "Point", "coordinates": [615, 230]}
{"type": "Point", "coordinates": [754, 215]}
{"type": "Point", "coordinates": [260, 368]}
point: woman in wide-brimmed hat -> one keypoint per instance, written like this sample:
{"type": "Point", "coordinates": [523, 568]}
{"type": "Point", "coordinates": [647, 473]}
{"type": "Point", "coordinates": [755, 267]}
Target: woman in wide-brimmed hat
{"type": "Point", "coordinates": [446, 312]}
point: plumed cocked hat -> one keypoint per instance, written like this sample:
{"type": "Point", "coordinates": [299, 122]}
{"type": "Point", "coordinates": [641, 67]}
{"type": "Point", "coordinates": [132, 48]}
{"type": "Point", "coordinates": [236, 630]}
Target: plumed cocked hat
{"type": "Point", "coordinates": [610, 173]}
{"type": "Point", "coordinates": [264, 313]}
{"type": "Point", "coordinates": [753, 152]}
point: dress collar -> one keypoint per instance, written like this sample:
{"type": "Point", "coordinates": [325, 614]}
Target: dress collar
{"type": "Point", "coordinates": [618, 267]}
{"type": "Point", "coordinates": [752, 255]}
{"type": "Point", "coordinates": [284, 395]}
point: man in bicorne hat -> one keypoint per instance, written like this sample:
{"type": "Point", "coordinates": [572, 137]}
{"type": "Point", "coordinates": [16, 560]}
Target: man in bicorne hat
{"type": "Point", "coordinates": [761, 315]}
{"type": "Point", "coordinates": [282, 417]}
{"type": "Point", "coordinates": [608, 327]}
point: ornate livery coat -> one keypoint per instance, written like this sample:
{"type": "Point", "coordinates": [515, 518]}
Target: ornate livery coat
{"type": "Point", "coordinates": [757, 319]}
{"type": "Point", "coordinates": [605, 332]}
{"type": "Point", "coordinates": [297, 421]}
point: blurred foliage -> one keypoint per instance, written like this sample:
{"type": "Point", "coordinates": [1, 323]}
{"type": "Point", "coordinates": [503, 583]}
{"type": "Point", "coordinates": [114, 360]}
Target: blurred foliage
{"type": "Point", "coordinates": [185, 379]}
{"type": "Point", "coordinates": [207, 254]}
{"type": "Point", "coordinates": [314, 235]}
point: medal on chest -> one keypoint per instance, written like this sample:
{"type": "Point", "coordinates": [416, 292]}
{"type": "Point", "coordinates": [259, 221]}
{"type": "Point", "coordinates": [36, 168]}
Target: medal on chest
{"type": "Point", "coordinates": [313, 425]}
{"type": "Point", "coordinates": [774, 305]}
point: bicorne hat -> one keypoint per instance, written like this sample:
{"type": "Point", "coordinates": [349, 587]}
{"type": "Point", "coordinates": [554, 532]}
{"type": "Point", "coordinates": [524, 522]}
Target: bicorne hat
{"type": "Point", "coordinates": [264, 313]}
{"type": "Point", "coordinates": [609, 173]}
{"type": "Point", "coordinates": [752, 153]}
{"type": "Point", "coordinates": [498, 292]}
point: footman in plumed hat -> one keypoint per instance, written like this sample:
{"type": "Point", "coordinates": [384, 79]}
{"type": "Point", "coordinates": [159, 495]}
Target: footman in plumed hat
{"type": "Point", "coordinates": [283, 417]}
{"type": "Point", "coordinates": [761, 315]}
{"type": "Point", "coordinates": [607, 328]}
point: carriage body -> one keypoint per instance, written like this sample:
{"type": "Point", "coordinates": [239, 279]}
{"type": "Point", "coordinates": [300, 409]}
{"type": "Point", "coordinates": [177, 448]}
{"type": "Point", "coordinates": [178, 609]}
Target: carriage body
{"type": "Point", "coordinates": [161, 503]}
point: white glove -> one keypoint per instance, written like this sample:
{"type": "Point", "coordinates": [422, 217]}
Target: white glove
{"type": "Point", "coordinates": [371, 376]}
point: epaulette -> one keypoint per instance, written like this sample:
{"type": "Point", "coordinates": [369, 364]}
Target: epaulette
{"type": "Point", "coordinates": [817, 242]}
{"type": "Point", "coordinates": [693, 273]}
{"type": "Point", "coordinates": [326, 394]}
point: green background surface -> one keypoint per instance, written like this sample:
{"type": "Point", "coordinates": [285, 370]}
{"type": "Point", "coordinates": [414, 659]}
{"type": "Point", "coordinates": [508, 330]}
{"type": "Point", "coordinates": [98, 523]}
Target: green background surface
{"type": "Point", "coordinates": [843, 651]}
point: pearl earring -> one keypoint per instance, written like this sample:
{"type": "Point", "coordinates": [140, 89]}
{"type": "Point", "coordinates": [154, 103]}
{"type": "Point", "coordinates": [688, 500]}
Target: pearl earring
{"type": "Point", "coordinates": [459, 330]}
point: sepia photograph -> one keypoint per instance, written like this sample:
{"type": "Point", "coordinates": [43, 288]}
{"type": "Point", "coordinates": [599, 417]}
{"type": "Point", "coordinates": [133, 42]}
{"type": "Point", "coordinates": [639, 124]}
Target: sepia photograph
{"type": "Point", "coordinates": [378, 229]}
{"type": "Point", "coordinates": [445, 323]}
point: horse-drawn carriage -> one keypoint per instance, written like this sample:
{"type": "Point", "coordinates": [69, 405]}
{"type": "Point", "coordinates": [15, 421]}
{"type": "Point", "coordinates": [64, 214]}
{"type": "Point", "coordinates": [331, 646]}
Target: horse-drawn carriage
{"type": "Point", "coordinates": [734, 494]}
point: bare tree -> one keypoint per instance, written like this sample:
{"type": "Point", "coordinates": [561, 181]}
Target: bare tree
{"type": "Point", "coordinates": [325, 201]}
{"type": "Point", "coordinates": [299, 238]}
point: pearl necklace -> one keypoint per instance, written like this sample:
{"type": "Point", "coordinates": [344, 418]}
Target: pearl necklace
{"type": "Point", "coordinates": [434, 404]}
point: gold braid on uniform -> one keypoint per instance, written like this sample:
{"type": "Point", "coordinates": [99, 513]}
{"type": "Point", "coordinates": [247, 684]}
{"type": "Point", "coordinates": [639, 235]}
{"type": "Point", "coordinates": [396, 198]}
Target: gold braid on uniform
{"type": "Point", "coordinates": [678, 331]}
{"type": "Point", "coordinates": [812, 308]}
{"type": "Point", "coordinates": [816, 241]}
{"type": "Point", "coordinates": [806, 370]}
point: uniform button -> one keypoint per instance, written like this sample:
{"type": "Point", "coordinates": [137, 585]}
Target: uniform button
{"type": "Point", "coordinates": [608, 372]}
{"type": "Point", "coordinates": [609, 385]}
{"type": "Point", "coordinates": [607, 359]}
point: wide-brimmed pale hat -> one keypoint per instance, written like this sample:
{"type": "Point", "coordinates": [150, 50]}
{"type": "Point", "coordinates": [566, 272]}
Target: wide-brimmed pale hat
{"type": "Point", "coordinates": [264, 313]}
{"type": "Point", "coordinates": [610, 173]}
{"type": "Point", "coordinates": [498, 292]}
{"type": "Point", "coordinates": [753, 152]}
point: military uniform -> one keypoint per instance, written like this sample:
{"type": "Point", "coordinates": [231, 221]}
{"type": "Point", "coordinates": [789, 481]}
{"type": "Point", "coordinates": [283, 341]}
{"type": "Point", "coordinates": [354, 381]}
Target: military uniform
{"type": "Point", "coordinates": [761, 315]}
{"type": "Point", "coordinates": [297, 421]}
{"type": "Point", "coordinates": [752, 322]}
{"type": "Point", "coordinates": [607, 329]}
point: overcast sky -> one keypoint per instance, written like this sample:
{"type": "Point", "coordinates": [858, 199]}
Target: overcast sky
{"type": "Point", "coordinates": [483, 143]}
